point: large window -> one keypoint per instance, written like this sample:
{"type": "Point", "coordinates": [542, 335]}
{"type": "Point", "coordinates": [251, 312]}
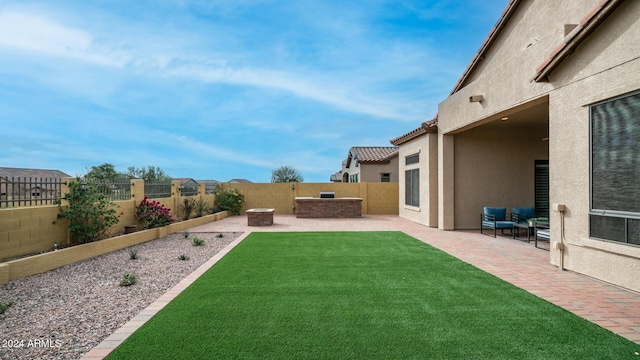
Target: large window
{"type": "Point", "coordinates": [615, 169]}
{"type": "Point", "coordinates": [412, 187]}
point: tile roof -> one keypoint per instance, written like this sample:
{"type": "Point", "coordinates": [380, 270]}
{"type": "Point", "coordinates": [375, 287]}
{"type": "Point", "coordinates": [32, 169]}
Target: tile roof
{"type": "Point", "coordinates": [183, 180]}
{"type": "Point", "coordinates": [239, 181]}
{"type": "Point", "coordinates": [373, 154]}
{"type": "Point", "coordinates": [33, 173]}
{"type": "Point", "coordinates": [587, 25]}
{"type": "Point", "coordinates": [425, 127]}
{"type": "Point", "coordinates": [209, 182]}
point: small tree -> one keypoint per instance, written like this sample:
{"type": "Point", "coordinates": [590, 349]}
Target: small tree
{"type": "Point", "coordinates": [89, 213]}
{"type": "Point", "coordinates": [150, 174]}
{"type": "Point", "coordinates": [285, 174]}
{"type": "Point", "coordinates": [105, 171]}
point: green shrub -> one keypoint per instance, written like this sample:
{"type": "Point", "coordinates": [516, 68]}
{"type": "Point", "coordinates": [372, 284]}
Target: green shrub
{"type": "Point", "coordinates": [187, 208]}
{"type": "Point", "coordinates": [89, 213]}
{"type": "Point", "coordinates": [231, 200]}
{"type": "Point", "coordinates": [201, 207]}
{"type": "Point", "coordinates": [196, 241]}
{"type": "Point", "coordinates": [185, 234]}
{"type": "Point", "coordinates": [133, 254]}
{"type": "Point", "coordinates": [183, 257]}
{"type": "Point", "coordinates": [220, 235]}
{"type": "Point", "coordinates": [128, 279]}
{"type": "Point", "coordinates": [152, 214]}
{"type": "Point", "coordinates": [4, 307]}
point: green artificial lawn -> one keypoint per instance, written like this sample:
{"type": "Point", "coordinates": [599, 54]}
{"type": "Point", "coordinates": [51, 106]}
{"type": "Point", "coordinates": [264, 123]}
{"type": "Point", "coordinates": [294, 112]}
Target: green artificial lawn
{"type": "Point", "coordinates": [360, 295]}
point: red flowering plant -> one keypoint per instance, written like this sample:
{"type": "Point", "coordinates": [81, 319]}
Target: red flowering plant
{"type": "Point", "coordinates": [152, 214]}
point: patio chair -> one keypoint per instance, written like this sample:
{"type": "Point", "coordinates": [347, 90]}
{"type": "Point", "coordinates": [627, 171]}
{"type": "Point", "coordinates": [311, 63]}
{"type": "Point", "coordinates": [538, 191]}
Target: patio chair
{"type": "Point", "coordinates": [495, 218]}
{"type": "Point", "coordinates": [542, 232]}
{"type": "Point", "coordinates": [522, 214]}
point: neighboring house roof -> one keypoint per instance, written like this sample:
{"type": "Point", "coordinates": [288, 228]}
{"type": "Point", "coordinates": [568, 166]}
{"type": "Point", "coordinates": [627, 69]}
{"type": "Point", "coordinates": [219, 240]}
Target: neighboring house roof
{"type": "Point", "coordinates": [586, 26]}
{"type": "Point", "coordinates": [183, 180]}
{"type": "Point", "coordinates": [239, 181]}
{"type": "Point", "coordinates": [337, 177]}
{"type": "Point", "coordinates": [425, 127]}
{"type": "Point", "coordinates": [34, 173]}
{"type": "Point", "coordinates": [208, 183]}
{"type": "Point", "coordinates": [372, 154]}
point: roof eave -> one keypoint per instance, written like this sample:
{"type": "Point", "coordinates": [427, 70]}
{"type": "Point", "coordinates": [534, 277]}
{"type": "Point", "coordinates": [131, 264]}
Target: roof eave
{"type": "Point", "coordinates": [574, 39]}
{"type": "Point", "coordinates": [493, 34]}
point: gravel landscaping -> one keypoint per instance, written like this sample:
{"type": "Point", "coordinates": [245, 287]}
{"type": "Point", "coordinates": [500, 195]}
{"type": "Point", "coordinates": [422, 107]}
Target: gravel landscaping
{"type": "Point", "coordinates": [64, 313]}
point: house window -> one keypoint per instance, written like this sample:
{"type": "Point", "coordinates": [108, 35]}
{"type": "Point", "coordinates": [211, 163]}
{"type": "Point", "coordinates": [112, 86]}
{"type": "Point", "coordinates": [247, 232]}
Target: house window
{"type": "Point", "coordinates": [412, 187]}
{"type": "Point", "coordinates": [615, 168]}
{"type": "Point", "coordinates": [354, 178]}
{"type": "Point", "coordinates": [412, 159]}
{"type": "Point", "coordinates": [385, 177]}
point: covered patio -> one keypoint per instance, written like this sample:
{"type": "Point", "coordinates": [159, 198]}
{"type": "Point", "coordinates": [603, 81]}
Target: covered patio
{"type": "Point", "coordinates": [516, 262]}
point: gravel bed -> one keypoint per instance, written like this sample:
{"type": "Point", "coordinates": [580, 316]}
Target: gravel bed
{"type": "Point", "coordinates": [64, 313]}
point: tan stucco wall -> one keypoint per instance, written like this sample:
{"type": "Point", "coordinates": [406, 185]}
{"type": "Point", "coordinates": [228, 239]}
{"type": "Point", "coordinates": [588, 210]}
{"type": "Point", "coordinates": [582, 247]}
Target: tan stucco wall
{"type": "Point", "coordinates": [373, 172]}
{"type": "Point", "coordinates": [427, 146]}
{"type": "Point", "coordinates": [495, 167]}
{"type": "Point", "coordinates": [606, 65]}
{"type": "Point", "coordinates": [504, 76]}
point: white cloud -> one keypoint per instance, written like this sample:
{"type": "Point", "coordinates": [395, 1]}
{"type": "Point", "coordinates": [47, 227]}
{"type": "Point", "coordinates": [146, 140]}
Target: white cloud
{"type": "Point", "coordinates": [363, 91]}
{"type": "Point", "coordinates": [321, 88]}
{"type": "Point", "coordinates": [34, 33]}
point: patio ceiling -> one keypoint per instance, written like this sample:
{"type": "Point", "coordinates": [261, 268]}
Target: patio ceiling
{"type": "Point", "coordinates": [533, 114]}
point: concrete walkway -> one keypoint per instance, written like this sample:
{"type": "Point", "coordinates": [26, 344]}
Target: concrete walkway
{"type": "Point", "coordinates": [517, 262]}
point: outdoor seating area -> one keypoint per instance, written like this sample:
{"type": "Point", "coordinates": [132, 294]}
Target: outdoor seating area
{"type": "Point", "coordinates": [542, 233]}
{"type": "Point", "coordinates": [495, 218]}
{"type": "Point", "coordinates": [521, 219]}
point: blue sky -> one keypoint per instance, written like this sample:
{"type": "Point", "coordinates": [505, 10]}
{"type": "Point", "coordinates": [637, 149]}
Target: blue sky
{"type": "Point", "coordinates": [212, 89]}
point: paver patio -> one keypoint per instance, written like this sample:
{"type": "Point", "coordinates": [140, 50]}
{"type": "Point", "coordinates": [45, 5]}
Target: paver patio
{"type": "Point", "coordinates": [517, 262]}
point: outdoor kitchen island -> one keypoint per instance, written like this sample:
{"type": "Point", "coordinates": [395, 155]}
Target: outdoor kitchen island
{"type": "Point", "coordinates": [328, 207]}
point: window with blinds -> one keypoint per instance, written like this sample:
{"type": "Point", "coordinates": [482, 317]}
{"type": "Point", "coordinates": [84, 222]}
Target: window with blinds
{"type": "Point", "coordinates": [412, 187]}
{"type": "Point", "coordinates": [412, 159]}
{"type": "Point", "coordinates": [542, 187]}
{"type": "Point", "coordinates": [615, 169]}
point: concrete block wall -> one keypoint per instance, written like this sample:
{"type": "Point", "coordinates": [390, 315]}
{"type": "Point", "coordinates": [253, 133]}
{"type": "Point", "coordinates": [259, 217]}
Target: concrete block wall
{"type": "Point", "coordinates": [382, 198]}
{"type": "Point", "coordinates": [273, 196]}
{"type": "Point", "coordinates": [44, 262]}
{"type": "Point", "coordinates": [377, 198]}
{"type": "Point", "coordinates": [30, 230]}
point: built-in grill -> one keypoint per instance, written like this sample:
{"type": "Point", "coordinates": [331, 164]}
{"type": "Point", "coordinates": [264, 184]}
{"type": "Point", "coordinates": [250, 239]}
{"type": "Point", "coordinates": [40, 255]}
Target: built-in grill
{"type": "Point", "coordinates": [327, 195]}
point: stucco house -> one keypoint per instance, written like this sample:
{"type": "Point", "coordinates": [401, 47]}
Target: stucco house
{"type": "Point", "coordinates": [188, 186]}
{"type": "Point", "coordinates": [370, 164]}
{"type": "Point", "coordinates": [546, 114]}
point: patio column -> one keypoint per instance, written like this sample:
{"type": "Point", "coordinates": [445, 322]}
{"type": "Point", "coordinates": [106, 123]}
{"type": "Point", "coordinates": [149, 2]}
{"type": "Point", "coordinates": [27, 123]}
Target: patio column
{"type": "Point", "coordinates": [445, 182]}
